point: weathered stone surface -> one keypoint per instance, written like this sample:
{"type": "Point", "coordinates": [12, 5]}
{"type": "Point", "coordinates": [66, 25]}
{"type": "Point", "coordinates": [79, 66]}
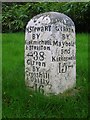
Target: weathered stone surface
{"type": "Point", "coordinates": [50, 53]}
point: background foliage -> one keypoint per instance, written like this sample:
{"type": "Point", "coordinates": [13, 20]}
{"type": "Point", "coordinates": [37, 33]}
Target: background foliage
{"type": "Point", "coordinates": [16, 15]}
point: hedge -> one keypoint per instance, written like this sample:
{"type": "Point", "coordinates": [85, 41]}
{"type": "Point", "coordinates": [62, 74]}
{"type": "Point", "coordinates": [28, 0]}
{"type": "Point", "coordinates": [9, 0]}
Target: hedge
{"type": "Point", "coordinates": [16, 15]}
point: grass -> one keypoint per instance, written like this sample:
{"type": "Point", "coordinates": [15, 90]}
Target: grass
{"type": "Point", "coordinates": [19, 102]}
{"type": "Point", "coordinates": [0, 76]}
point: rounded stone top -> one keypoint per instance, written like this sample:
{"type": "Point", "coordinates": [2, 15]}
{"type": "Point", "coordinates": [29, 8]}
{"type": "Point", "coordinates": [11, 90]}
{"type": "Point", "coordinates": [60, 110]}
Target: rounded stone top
{"type": "Point", "coordinates": [55, 17]}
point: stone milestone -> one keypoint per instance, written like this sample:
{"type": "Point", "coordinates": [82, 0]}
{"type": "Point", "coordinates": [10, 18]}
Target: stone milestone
{"type": "Point", "coordinates": [50, 53]}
